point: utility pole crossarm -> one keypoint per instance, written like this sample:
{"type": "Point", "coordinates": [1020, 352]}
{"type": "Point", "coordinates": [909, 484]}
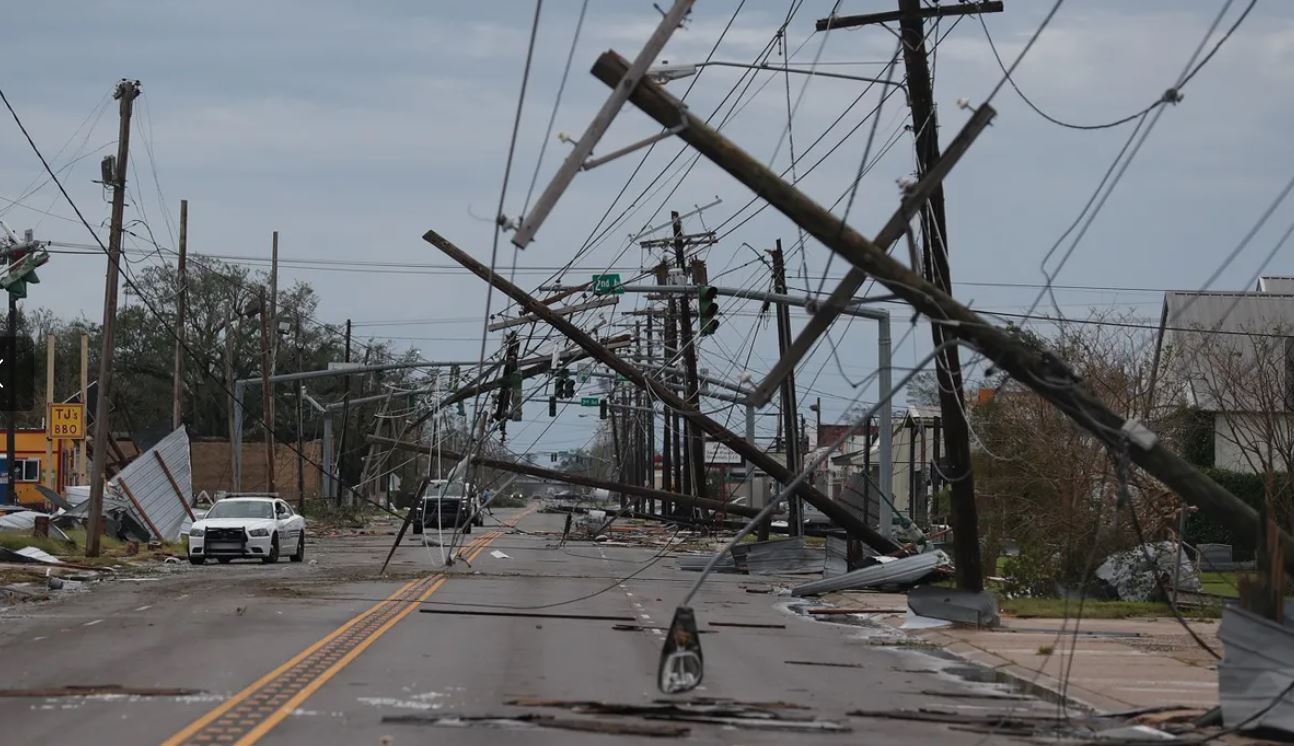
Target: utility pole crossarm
{"type": "Point", "coordinates": [868, 19]}
{"type": "Point", "coordinates": [1047, 376]}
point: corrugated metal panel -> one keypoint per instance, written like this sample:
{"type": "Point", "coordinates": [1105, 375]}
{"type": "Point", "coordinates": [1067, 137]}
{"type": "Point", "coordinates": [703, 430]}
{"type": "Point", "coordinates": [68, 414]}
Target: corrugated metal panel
{"type": "Point", "coordinates": [151, 487]}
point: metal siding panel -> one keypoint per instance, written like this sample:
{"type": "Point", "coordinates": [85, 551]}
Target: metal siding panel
{"type": "Point", "coordinates": [149, 485]}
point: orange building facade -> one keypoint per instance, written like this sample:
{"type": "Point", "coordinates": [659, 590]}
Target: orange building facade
{"type": "Point", "coordinates": [31, 468]}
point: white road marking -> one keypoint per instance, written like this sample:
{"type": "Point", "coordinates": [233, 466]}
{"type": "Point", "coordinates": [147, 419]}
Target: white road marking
{"type": "Point", "coordinates": [646, 616]}
{"type": "Point", "coordinates": [145, 607]}
{"type": "Point", "coordinates": [38, 639]}
{"type": "Point", "coordinates": [91, 624]}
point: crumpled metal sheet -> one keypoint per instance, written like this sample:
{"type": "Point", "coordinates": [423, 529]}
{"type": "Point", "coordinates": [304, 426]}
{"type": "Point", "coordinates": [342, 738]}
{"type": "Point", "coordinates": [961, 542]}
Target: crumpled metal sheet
{"type": "Point", "coordinates": [1132, 573]}
{"type": "Point", "coordinates": [150, 486]}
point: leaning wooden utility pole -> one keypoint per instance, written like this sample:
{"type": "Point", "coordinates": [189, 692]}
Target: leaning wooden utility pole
{"type": "Point", "coordinates": [181, 308]}
{"type": "Point", "coordinates": [664, 393]}
{"type": "Point", "coordinates": [790, 406]}
{"type": "Point", "coordinates": [964, 517]}
{"type": "Point", "coordinates": [125, 92]}
{"type": "Point", "coordinates": [1046, 375]}
{"type": "Point", "coordinates": [267, 395]}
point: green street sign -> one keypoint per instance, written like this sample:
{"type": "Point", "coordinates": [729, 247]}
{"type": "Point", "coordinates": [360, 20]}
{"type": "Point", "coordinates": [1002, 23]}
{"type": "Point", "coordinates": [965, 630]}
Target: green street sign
{"type": "Point", "coordinates": [607, 284]}
{"type": "Point", "coordinates": [590, 401]}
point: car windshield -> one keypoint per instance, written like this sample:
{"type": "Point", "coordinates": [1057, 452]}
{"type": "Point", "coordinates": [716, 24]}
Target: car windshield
{"type": "Point", "coordinates": [242, 509]}
{"type": "Point", "coordinates": [454, 490]}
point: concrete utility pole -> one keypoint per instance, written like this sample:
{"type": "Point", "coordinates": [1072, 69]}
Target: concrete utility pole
{"type": "Point", "coordinates": [181, 307]}
{"type": "Point", "coordinates": [125, 92]}
{"type": "Point", "coordinates": [267, 395]}
{"type": "Point", "coordinates": [667, 423]}
{"type": "Point", "coordinates": [790, 406]}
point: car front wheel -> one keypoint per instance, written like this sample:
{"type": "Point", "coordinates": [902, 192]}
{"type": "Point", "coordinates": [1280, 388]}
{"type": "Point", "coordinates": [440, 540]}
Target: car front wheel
{"type": "Point", "coordinates": [273, 556]}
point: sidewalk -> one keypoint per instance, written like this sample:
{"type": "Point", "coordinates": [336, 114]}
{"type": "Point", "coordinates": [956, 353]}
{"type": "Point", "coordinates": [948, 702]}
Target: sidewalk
{"type": "Point", "coordinates": [1117, 664]}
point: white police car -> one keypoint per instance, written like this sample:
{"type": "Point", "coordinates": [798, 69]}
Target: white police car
{"type": "Point", "coordinates": [261, 527]}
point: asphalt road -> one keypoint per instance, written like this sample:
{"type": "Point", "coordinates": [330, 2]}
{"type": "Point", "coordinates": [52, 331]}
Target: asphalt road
{"type": "Point", "coordinates": [321, 652]}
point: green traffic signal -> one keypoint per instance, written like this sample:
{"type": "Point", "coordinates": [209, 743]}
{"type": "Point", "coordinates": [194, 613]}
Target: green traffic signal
{"type": "Point", "coordinates": [708, 309]}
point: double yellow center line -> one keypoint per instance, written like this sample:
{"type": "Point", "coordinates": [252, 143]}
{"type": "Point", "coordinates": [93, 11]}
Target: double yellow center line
{"type": "Point", "coordinates": [251, 713]}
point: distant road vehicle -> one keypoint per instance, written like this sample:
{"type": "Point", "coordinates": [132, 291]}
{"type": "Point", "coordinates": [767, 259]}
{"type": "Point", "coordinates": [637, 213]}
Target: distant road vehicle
{"type": "Point", "coordinates": [456, 508]}
{"type": "Point", "coordinates": [260, 527]}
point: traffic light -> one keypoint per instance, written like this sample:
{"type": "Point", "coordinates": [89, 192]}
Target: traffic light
{"type": "Point", "coordinates": [602, 409]}
{"type": "Point", "coordinates": [709, 311]}
{"type": "Point", "coordinates": [552, 406]}
{"type": "Point", "coordinates": [22, 262]}
{"type": "Point", "coordinates": [569, 388]}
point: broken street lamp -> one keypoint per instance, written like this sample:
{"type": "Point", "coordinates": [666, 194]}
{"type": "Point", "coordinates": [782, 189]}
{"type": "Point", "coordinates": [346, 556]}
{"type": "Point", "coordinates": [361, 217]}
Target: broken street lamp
{"type": "Point", "coordinates": [681, 666]}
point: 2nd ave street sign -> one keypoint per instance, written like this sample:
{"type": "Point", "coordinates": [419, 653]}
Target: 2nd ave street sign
{"type": "Point", "coordinates": [589, 401]}
{"type": "Point", "coordinates": [67, 421]}
{"type": "Point", "coordinates": [607, 284]}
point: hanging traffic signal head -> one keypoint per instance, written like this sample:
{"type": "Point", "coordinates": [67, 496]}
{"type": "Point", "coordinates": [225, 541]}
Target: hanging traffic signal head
{"type": "Point", "coordinates": [552, 406]}
{"type": "Point", "coordinates": [21, 263]}
{"type": "Point", "coordinates": [709, 309]}
{"type": "Point", "coordinates": [570, 388]}
{"type": "Point", "coordinates": [602, 409]}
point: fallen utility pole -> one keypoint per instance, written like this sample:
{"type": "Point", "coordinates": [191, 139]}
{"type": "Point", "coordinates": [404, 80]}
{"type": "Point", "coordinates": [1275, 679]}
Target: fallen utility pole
{"type": "Point", "coordinates": [579, 479]}
{"type": "Point", "coordinates": [126, 91]}
{"type": "Point", "coordinates": [1040, 371]}
{"type": "Point", "coordinates": [832, 510]}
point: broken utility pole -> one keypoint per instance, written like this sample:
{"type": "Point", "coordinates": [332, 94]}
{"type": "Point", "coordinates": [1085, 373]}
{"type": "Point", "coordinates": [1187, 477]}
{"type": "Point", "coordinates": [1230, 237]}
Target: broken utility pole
{"type": "Point", "coordinates": [660, 391]}
{"type": "Point", "coordinates": [1041, 371]}
{"type": "Point", "coordinates": [694, 455]}
{"type": "Point", "coordinates": [125, 92]}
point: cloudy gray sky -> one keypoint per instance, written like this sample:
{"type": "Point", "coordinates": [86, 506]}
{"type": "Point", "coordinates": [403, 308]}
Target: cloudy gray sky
{"type": "Point", "coordinates": [351, 128]}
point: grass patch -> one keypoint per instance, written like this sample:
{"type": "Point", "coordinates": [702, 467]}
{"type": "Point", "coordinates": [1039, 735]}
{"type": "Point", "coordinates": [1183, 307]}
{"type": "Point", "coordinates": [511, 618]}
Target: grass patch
{"type": "Point", "coordinates": [1059, 608]}
{"type": "Point", "coordinates": [112, 550]}
{"type": "Point", "coordinates": [1221, 583]}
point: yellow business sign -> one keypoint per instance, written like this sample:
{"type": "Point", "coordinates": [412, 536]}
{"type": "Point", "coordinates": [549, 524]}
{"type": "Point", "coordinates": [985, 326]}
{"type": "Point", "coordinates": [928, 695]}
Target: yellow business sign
{"type": "Point", "coordinates": [67, 421]}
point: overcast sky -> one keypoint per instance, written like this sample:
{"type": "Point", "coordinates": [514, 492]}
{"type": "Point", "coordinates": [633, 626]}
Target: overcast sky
{"type": "Point", "coordinates": [352, 128]}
